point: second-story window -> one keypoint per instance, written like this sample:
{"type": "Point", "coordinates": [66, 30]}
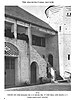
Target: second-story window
{"type": "Point", "coordinates": [22, 33]}
{"type": "Point", "coordinates": [43, 41]}
{"type": "Point", "coordinates": [9, 31]}
{"type": "Point", "coordinates": [38, 41]}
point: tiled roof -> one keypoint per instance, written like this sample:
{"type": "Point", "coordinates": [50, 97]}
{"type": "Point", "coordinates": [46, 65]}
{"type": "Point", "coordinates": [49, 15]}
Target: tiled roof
{"type": "Point", "coordinates": [21, 14]}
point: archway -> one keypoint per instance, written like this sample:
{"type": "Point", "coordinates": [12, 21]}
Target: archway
{"type": "Point", "coordinates": [50, 59]}
{"type": "Point", "coordinates": [11, 55]}
{"type": "Point", "coordinates": [33, 72]}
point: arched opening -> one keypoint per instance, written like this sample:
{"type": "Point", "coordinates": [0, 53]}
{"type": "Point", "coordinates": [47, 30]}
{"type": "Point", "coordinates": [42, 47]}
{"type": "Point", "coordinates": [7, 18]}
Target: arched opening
{"type": "Point", "coordinates": [50, 59]}
{"type": "Point", "coordinates": [33, 72]}
{"type": "Point", "coordinates": [10, 58]}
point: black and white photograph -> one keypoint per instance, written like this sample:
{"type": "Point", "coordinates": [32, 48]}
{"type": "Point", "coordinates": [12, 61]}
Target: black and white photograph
{"type": "Point", "coordinates": [37, 49]}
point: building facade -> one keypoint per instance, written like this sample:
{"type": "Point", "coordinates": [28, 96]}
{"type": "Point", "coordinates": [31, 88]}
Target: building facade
{"type": "Point", "coordinates": [29, 44]}
{"type": "Point", "coordinates": [60, 19]}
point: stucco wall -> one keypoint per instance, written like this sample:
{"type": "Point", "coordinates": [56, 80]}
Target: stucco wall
{"type": "Point", "coordinates": [36, 56]}
{"type": "Point", "coordinates": [22, 68]}
{"type": "Point", "coordinates": [22, 62]}
{"type": "Point", "coordinates": [52, 48]}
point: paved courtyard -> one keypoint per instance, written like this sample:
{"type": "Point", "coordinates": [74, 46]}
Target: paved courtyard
{"type": "Point", "coordinates": [44, 87]}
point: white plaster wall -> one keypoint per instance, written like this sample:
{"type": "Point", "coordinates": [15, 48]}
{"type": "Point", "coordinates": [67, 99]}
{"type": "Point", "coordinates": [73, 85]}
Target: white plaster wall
{"type": "Point", "coordinates": [66, 51]}
{"type": "Point", "coordinates": [64, 37]}
{"type": "Point", "coordinates": [55, 18]}
{"type": "Point", "coordinates": [60, 43]}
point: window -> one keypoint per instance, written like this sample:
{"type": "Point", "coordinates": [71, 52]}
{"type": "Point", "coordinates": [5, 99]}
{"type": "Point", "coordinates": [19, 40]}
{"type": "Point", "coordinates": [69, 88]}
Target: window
{"type": "Point", "coordinates": [22, 37]}
{"type": "Point", "coordinates": [43, 41]}
{"type": "Point", "coordinates": [68, 14]}
{"type": "Point", "coordinates": [33, 39]}
{"type": "Point", "coordinates": [8, 30]}
{"type": "Point", "coordinates": [38, 41]}
{"type": "Point", "coordinates": [59, 28]}
{"type": "Point", "coordinates": [68, 56]}
{"type": "Point", "coordinates": [22, 33]}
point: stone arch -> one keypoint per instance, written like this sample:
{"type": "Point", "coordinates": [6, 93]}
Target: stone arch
{"type": "Point", "coordinates": [11, 49]}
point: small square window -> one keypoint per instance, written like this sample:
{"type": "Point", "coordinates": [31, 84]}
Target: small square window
{"type": "Point", "coordinates": [68, 14]}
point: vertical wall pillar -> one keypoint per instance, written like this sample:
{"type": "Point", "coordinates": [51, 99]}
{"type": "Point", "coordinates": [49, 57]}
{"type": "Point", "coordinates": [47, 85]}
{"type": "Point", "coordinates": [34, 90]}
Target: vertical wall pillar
{"type": "Point", "coordinates": [29, 35]}
{"type": "Point", "coordinates": [15, 29]}
{"type": "Point", "coordinates": [29, 49]}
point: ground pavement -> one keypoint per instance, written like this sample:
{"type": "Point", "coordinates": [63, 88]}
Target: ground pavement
{"type": "Point", "coordinates": [44, 87]}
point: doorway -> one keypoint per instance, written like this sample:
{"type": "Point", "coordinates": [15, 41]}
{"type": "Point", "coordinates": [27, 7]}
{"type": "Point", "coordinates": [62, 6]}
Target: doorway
{"type": "Point", "coordinates": [50, 59]}
{"type": "Point", "coordinates": [9, 71]}
{"type": "Point", "coordinates": [33, 72]}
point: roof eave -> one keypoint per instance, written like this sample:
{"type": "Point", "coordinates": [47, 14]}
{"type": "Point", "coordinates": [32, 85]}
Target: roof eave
{"type": "Point", "coordinates": [6, 15]}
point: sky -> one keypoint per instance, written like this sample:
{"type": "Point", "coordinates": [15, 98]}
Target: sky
{"type": "Point", "coordinates": [38, 11]}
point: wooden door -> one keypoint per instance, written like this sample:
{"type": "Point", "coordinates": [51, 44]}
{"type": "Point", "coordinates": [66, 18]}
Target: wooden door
{"type": "Point", "coordinates": [9, 72]}
{"type": "Point", "coordinates": [33, 73]}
